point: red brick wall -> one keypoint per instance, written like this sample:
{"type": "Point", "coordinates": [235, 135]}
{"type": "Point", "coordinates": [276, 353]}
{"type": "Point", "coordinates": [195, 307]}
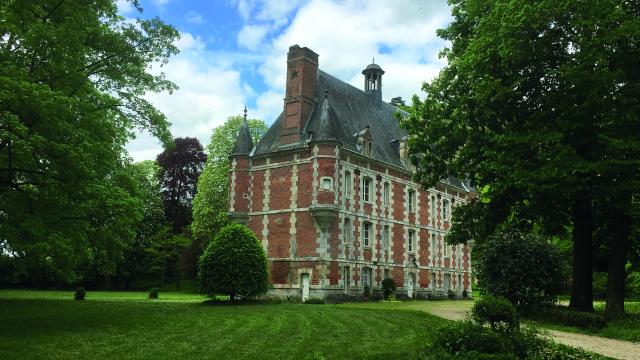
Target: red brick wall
{"type": "Point", "coordinates": [279, 235]}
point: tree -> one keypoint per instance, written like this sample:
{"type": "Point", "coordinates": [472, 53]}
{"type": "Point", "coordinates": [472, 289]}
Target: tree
{"type": "Point", "coordinates": [234, 263]}
{"type": "Point", "coordinates": [397, 102]}
{"type": "Point", "coordinates": [137, 258]}
{"type": "Point", "coordinates": [72, 76]}
{"type": "Point", "coordinates": [211, 202]}
{"type": "Point", "coordinates": [530, 273]}
{"type": "Point", "coordinates": [533, 107]}
{"type": "Point", "coordinates": [180, 167]}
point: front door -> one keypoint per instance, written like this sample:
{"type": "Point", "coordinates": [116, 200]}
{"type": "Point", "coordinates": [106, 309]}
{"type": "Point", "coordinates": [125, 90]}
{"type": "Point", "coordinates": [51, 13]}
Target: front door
{"type": "Point", "coordinates": [305, 286]}
{"type": "Point", "coordinates": [410, 285]}
{"type": "Point", "coordinates": [447, 282]}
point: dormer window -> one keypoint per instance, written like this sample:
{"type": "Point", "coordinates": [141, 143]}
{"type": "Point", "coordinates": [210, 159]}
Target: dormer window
{"type": "Point", "coordinates": [364, 141]}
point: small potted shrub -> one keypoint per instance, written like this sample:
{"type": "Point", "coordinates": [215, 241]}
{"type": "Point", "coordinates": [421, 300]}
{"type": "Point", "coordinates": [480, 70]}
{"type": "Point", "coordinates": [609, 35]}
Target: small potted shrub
{"type": "Point", "coordinates": [79, 294]}
{"type": "Point", "coordinates": [153, 293]}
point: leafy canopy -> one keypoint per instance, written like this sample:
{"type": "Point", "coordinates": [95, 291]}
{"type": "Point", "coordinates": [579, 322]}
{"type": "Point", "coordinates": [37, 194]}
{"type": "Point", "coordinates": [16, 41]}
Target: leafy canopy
{"type": "Point", "coordinates": [211, 202]}
{"type": "Point", "coordinates": [72, 77]}
{"type": "Point", "coordinates": [180, 167]}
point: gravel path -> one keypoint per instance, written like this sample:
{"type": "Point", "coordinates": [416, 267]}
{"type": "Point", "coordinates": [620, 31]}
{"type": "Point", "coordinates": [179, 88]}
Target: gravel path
{"type": "Point", "coordinates": [617, 349]}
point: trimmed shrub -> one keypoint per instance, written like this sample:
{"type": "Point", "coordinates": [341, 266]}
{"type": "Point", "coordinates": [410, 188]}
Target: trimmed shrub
{"type": "Point", "coordinates": [234, 263]}
{"type": "Point", "coordinates": [564, 316]}
{"type": "Point", "coordinates": [497, 312]}
{"type": "Point", "coordinates": [388, 287]}
{"type": "Point", "coordinates": [153, 293]}
{"type": "Point", "coordinates": [530, 277]}
{"type": "Point", "coordinates": [79, 294]}
{"type": "Point", "coordinates": [469, 340]}
{"type": "Point", "coordinates": [314, 301]}
{"type": "Point", "coordinates": [599, 283]}
{"type": "Point", "coordinates": [367, 292]}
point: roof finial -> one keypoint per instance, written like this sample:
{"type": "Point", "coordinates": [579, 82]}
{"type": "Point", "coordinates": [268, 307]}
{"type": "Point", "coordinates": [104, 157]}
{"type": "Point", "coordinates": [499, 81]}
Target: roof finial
{"type": "Point", "coordinates": [245, 113]}
{"type": "Point", "coordinates": [373, 60]}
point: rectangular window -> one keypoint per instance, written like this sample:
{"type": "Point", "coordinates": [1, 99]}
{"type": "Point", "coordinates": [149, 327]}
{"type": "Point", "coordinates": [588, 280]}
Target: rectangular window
{"type": "Point", "coordinates": [366, 277]}
{"type": "Point", "coordinates": [433, 281]}
{"type": "Point", "coordinates": [445, 209]}
{"type": "Point", "coordinates": [385, 238]}
{"type": "Point", "coordinates": [412, 201]}
{"type": "Point", "coordinates": [366, 233]}
{"type": "Point", "coordinates": [386, 273]}
{"type": "Point", "coordinates": [434, 246]}
{"type": "Point", "coordinates": [385, 194]}
{"type": "Point", "coordinates": [346, 231]}
{"type": "Point", "coordinates": [433, 209]}
{"type": "Point", "coordinates": [327, 183]}
{"type": "Point", "coordinates": [445, 248]}
{"type": "Point", "coordinates": [366, 189]}
{"type": "Point", "coordinates": [412, 235]}
{"type": "Point", "coordinates": [347, 185]}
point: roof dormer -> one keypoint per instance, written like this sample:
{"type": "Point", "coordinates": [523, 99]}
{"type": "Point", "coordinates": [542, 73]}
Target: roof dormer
{"type": "Point", "coordinates": [364, 141]}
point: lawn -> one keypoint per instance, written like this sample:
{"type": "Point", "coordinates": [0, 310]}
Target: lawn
{"type": "Point", "coordinates": [37, 325]}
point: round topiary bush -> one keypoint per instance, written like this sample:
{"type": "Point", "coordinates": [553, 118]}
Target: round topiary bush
{"type": "Point", "coordinates": [234, 263]}
{"type": "Point", "coordinates": [523, 268]}
{"type": "Point", "coordinates": [153, 293]}
{"type": "Point", "coordinates": [79, 294]}
{"type": "Point", "coordinates": [388, 287]}
{"type": "Point", "coordinates": [497, 312]}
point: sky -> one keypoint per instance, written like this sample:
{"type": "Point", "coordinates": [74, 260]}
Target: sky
{"type": "Point", "coordinates": [233, 54]}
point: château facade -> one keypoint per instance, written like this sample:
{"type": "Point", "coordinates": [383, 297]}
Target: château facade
{"type": "Point", "coordinates": [328, 190]}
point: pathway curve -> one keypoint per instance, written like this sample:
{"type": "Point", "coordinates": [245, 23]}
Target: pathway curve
{"type": "Point", "coordinates": [617, 349]}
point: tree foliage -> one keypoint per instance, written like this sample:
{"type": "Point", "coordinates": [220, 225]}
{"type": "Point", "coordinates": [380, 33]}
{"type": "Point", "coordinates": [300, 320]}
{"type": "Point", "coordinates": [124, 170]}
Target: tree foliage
{"type": "Point", "coordinates": [72, 77]}
{"type": "Point", "coordinates": [538, 106]}
{"type": "Point", "coordinates": [234, 263]}
{"type": "Point", "coordinates": [529, 271]}
{"type": "Point", "coordinates": [180, 167]}
{"type": "Point", "coordinates": [211, 202]}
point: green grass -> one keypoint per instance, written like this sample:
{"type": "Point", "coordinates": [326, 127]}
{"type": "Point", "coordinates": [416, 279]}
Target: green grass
{"type": "Point", "coordinates": [625, 328]}
{"type": "Point", "coordinates": [37, 325]}
{"type": "Point", "coordinates": [100, 295]}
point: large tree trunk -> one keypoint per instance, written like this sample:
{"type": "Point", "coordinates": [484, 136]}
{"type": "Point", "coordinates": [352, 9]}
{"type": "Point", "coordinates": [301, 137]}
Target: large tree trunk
{"type": "Point", "coordinates": [617, 254]}
{"type": "Point", "coordinates": [582, 288]}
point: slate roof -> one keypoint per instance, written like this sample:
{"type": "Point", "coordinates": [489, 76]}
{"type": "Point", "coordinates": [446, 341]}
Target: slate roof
{"type": "Point", "coordinates": [341, 112]}
{"type": "Point", "coordinates": [244, 143]}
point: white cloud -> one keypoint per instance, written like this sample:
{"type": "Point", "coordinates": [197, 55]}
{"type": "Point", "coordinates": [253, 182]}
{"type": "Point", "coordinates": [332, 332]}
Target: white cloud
{"type": "Point", "coordinates": [160, 3]}
{"type": "Point", "coordinates": [125, 7]}
{"type": "Point", "coordinates": [347, 35]}
{"type": "Point", "coordinates": [210, 91]}
{"type": "Point", "coordinates": [194, 17]}
{"type": "Point", "coordinates": [251, 36]}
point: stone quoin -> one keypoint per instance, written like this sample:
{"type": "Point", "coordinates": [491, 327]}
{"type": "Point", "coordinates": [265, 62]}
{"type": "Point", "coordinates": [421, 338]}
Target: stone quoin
{"type": "Point", "coordinates": [329, 191]}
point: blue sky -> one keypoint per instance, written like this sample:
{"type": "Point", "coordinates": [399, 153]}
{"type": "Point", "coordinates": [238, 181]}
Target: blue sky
{"type": "Point", "coordinates": [233, 53]}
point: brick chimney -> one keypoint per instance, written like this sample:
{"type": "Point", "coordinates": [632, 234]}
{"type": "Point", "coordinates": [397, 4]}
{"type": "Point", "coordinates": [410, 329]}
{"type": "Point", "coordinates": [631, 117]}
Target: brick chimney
{"type": "Point", "coordinates": [302, 74]}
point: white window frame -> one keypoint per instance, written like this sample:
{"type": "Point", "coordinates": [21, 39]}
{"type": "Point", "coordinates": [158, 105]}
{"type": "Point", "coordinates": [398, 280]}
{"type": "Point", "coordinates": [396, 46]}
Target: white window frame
{"type": "Point", "coordinates": [366, 233]}
{"type": "Point", "coordinates": [326, 183]}
{"type": "Point", "coordinates": [347, 185]}
{"type": "Point", "coordinates": [367, 184]}
{"type": "Point", "coordinates": [346, 231]}
{"type": "Point", "coordinates": [445, 209]}
{"type": "Point", "coordinates": [434, 246]}
{"type": "Point", "coordinates": [411, 200]}
{"type": "Point", "coordinates": [386, 194]}
{"type": "Point", "coordinates": [386, 236]}
{"type": "Point", "coordinates": [411, 237]}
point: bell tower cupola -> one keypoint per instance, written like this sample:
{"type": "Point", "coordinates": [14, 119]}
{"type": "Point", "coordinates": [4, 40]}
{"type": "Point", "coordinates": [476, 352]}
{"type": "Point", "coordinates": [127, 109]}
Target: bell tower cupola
{"type": "Point", "coordinates": [373, 80]}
